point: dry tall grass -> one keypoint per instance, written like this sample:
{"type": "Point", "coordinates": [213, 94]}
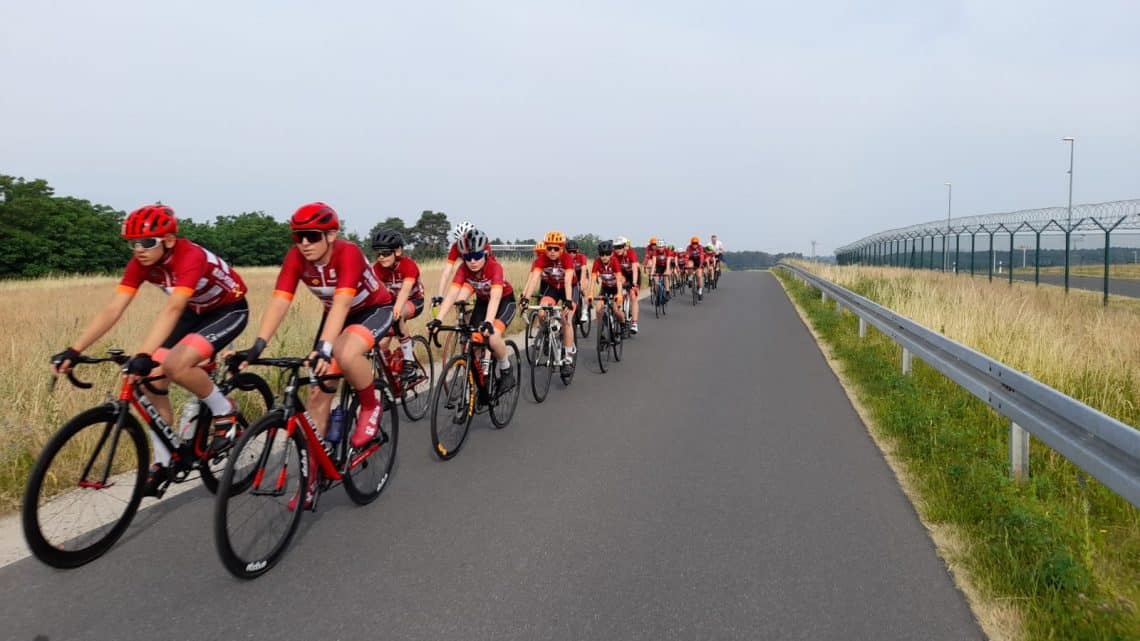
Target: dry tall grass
{"type": "Point", "coordinates": [1073, 344]}
{"type": "Point", "coordinates": [44, 315]}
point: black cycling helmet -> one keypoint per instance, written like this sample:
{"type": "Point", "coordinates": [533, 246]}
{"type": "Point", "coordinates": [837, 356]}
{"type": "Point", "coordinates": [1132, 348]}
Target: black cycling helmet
{"type": "Point", "coordinates": [387, 239]}
{"type": "Point", "coordinates": [571, 245]}
{"type": "Point", "coordinates": [606, 247]}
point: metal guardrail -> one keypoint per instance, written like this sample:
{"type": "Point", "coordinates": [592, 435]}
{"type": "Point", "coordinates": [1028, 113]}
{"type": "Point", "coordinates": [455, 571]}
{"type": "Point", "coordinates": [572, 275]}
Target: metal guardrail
{"type": "Point", "coordinates": [1102, 446]}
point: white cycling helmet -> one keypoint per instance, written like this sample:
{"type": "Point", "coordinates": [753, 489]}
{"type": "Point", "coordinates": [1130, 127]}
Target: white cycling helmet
{"type": "Point", "coordinates": [460, 229]}
{"type": "Point", "coordinates": [621, 242]}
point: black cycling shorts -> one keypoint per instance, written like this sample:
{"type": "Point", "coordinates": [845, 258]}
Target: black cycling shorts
{"type": "Point", "coordinates": [557, 293]}
{"type": "Point", "coordinates": [218, 327]}
{"type": "Point", "coordinates": [376, 320]}
{"type": "Point", "coordinates": [505, 315]}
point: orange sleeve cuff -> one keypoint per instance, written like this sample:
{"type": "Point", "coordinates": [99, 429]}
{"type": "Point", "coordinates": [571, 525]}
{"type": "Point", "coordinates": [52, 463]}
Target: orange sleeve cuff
{"type": "Point", "coordinates": [123, 289]}
{"type": "Point", "coordinates": [345, 291]}
{"type": "Point", "coordinates": [467, 288]}
{"type": "Point", "coordinates": [277, 293]}
{"type": "Point", "coordinates": [188, 291]}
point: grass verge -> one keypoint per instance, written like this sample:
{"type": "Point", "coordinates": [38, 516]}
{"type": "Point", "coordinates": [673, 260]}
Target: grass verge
{"type": "Point", "coordinates": [1062, 549]}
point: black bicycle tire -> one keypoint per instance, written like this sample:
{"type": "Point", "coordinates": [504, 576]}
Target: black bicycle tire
{"type": "Point", "coordinates": [516, 370]}
{"type": "Point", "coordinates": [253, 568]}
{"type": "Point", "coordinates": [601, 345]}
{"type": "Point", "coordinates": [530, 347]}
{"type": "Point", "coordinates": [442, 451]}
{"type": "Point", "coordinates": [429, 371]}
{"type": "Point", "coordinates": [43, 549]}
{"type": "Point", "coordinates": [362, 495]}
{"type": "Point", "coordinates": [248, 382]}
{"type": "Point", "coordinates": [617, 340]}
{"type": "Point", "coordinates": [544, 371]}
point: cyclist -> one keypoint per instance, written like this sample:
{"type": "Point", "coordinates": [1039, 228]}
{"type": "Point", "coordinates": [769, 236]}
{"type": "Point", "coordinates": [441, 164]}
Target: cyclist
{"type": "Point", "coordinates": [555, 270]}
{"type": "Point", "coordinates": [657, 261]}
{"type": "Point", "coordinates": [694, 253]}
{"type": "Point", "coordinates": [626, 257]}
{"type": "Point", "coordinates": [451, 265]}
{"type": "Point", "coordinates": [205, 311]}
{"type": "Point", "coordinates": [401, 275]}
{"type": "Point", "coordinates": [482, 275]}
{"type": "Point", "coordinates": [357, 313]}
{"type": "Point", "coordinates": [606, 272]}
{"type": "Point", "coordinates": [581, 275]}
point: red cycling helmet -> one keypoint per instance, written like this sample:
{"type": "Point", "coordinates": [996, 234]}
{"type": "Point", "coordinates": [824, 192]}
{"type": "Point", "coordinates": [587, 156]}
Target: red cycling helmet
{"type": "Point", "coordinates": [149, 221]}
{"type": "Point", "coordinates": [315, 216]}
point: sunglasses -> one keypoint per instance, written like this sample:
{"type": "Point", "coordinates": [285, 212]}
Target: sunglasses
{"type": "Point", "coordinates": [384, 253]}
{"type": "Point", "coordinates": [474, 255]}
{"type": "Point", "coordinates": [571, 251]}
{"type": "Point", "coordinates": [144, 243]}
{"type": "Point", "coordinates": [311, 235]}
{"type": "Point", "coordinates": [553, 248]}
{"type": "Point", "coordinates": [605, 254]}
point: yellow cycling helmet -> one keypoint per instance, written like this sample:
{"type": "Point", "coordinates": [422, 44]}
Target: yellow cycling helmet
{"type": "Point", "coordinates": [555, 238]}
{"type": "Point", "coordinates": [539, 247]}
{"type": "Point", "coordinates": [652, 240]}
{"type": "Point", "coordinates": [695, 240]}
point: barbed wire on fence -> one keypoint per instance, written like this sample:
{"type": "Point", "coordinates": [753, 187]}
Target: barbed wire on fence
{"type": "Point", "coordinates": [1093, 217]}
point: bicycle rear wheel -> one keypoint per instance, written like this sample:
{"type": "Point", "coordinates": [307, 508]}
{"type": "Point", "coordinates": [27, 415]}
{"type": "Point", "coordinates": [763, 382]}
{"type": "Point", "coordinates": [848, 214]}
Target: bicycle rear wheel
{"type": "Point", "coordinates": [369, 470]}
{"type": "Point", "coordinates": [542, 369]}
{"type": "Point", "coordinates": [452, 406]}
{"type": "Point", "coordinates": [417, 391]}
{"type": "Point", "coordinates": [583, 326]}
{"type": "Point", "coordinates": [503, 406]}
{"type": "Point", "coordinates": [616, 338]}
{"type": "Point", "coordinates": [85, 488]}
{"type": "Point", "coordinates": [254, 399]}
{"type": "Point", "coordinates": [602, 345]}
{"type": "Point", "coordinates": [252, 529]}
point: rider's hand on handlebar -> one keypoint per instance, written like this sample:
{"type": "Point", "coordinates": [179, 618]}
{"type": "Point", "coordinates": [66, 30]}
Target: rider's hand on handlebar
{"type": "Point", "coordinates": [237, 361]}
{"type": "Point", "coordinates": [436, 300]}
{"type": "Point", "coordinates": [487, 328]}
{"type": "Point", "coordinates": [139, 366]}
{"type": "Point", "coordinates": [321, 358]}
{"type": "Point", "coordinates": [434, 324]}
{"type": "Point", "coordinates": [62, 362]}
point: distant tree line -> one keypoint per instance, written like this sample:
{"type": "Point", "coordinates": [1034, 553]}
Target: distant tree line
{"type": "Point", "coordinates": [41, 233]}
{"type": "Point", "coordinates": [755, 259]}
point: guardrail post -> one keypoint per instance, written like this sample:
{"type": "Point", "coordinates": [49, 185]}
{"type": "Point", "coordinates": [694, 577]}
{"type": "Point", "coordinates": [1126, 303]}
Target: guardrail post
{"type": "Point", "coordinates": [838, 307]}
{"type": "Point", "coordinates": [823, 293]}
{"type": "Point", "coordinates": [906, 361]}
{"type": "Point", "coordinates": [862, 327]}
{"type": "Point", "coordinates": [1018, 452]}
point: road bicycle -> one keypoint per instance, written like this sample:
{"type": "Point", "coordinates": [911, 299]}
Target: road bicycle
{"type": "Point", "coordinates": [545, 351]}
{"type": "Point", "coordinates": [609, 339]}
{"type": "Point", "coordinates": [660, 296]}
{"type": "Point", "coordinates": [413, 390]}
{"type": "Point", "coordinates": [582, 325]}
{"type": "Point", "coordinates": [87, 483]}
{"type": "Point", "coordinates": [470, 384]}
{"type": "Point", "coordinates": [254, 524]}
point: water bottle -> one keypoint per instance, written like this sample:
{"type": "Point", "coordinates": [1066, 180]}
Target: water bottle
{"type": "Point", "coordinates": [188, 421]}
{"type": "Point", "coordinates": [336, 425]}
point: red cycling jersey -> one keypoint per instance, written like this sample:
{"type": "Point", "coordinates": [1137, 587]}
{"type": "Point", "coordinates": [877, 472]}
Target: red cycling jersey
{"type": "Point", "coordinates": [695, 253]}
{"type": "Point", "coordinates": [393, 277]}
{"type": "Point", "coordinates": [553, 271]}
{"type": "Point", "coordinates": [659, 255]}
{"type": "Point", "coordinates": [579, 263]}
{"type": "Point", "coordinates": [347, 272]}
{"type": "Point", "coordinates": [483, 281]}
{"type": "Point", "coordinates": [607, 272]}
{"type": "Point", "coordinates": [190, 268]}
{"type": "Point", "coordinates": [626, 259]}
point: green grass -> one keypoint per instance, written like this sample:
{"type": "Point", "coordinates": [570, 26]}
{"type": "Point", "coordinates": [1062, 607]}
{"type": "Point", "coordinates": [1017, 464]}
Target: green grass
{"type": "Point", "coordinates": [1064, 548]}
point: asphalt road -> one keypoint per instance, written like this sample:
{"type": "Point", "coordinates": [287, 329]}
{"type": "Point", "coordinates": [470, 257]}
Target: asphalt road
{"type": "Point", "coordinates": [1116, 286]}
{"type": "Point", "coordinates": [715, 484]}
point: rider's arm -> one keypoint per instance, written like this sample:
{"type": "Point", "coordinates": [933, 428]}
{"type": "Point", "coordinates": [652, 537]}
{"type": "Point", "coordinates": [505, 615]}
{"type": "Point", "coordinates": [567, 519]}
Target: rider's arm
{"type": "Point", "coordinates": [531, 283]}
{"type": "Point", "coordinates": [167, 319]}
{"type": "Point", "coordinates": [447, 274]}
{"type": "Point", "coordinates": [568, 283]}
{"type": "Point", "coordinates": [402, 297]}
{"type": "Point", "coordinates": [493, 303]}
{"type": "Point", "coordinates": [274, 314]}
{"type": "Point", "coordinates": [105, 319]}
{"type": "Point", "coordinates": [449, 300]}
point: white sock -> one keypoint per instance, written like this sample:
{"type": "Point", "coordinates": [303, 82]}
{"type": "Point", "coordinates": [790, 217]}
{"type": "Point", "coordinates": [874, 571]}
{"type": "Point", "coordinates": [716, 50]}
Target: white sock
{"type": "Point", "coordinates": [504, 363]}
{"type": "Point", "coordinates": [161, 454]}
{"type": "Point", "coordinates": [407, 346]}
{"type": "Point", "coordinates": [217, 402]}
{"type": "Point", "coordinates": [571, 350]}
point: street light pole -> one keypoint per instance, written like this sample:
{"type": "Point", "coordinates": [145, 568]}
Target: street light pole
{"type": "Point", "coordinates": [1069, 227]}
{"type": "Point", "coordinates": [946, 238]}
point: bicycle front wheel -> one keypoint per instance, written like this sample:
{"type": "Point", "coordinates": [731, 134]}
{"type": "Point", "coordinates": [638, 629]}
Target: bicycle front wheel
{"type": "Point", "coordinates": [253, 398]}
{"type": "Point", "coordinates": [542, 369]}
{"type": "Point", "coordinates": [503, 407]}
{"type": "Point", "coordinates": [530, 338]}
{"type": "Point", "coordinates": [252, 529]}
{"type": "Point", "coordinates": [417, 390]}
{"type": "Point", "coordinates": [616, 338]}
{"type": "Point", "coordinates": [452, 407]}
{"type": "Point", "coordinates": [85, 488]}
{"type": "Point", "coordinates": [603, 340]}
{"type": "Point", "coordinates": [369, 470]}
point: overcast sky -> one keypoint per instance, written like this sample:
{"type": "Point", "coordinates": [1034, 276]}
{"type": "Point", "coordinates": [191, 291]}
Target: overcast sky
{"type": "Point", "coordinates": [771, 124]}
